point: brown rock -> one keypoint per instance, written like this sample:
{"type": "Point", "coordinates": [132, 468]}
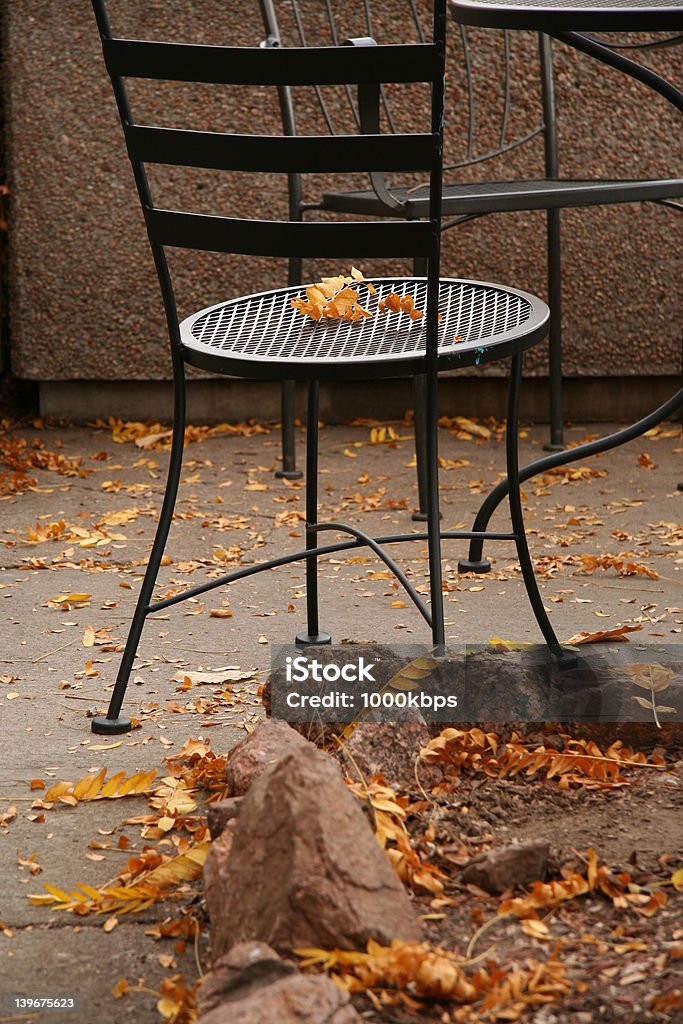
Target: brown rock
{"type": "Point", "coordinates": [239, 972]}
{"type": "Point", "coordinates": [503, 869]}
{"type": "Point", "coordinates": [261, 749]}
{"type": "Point", "coordinates": [391, 749]}
{"type": "Point", "coordinates": [217, 858]}
{"type": "Point", "coordinates": [304, 869]}
{"type": "Point", "coordinates": [297, 999]}
{"type": "Point", "coordinates": [220, 813]}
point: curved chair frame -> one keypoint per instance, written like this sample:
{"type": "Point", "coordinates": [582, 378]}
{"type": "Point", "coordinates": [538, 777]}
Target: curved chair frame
{"type": "Point", "coordinates": [464, 200]}
{"type": "Point", "coordinates": [262, 337]}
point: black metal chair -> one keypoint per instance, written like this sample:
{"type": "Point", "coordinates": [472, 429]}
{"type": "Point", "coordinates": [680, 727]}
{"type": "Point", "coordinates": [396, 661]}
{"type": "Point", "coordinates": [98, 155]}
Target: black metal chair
{"type": "Point", "coordinates": [475, 98]}
{"type": "Point", "coordinates": [263, 336]}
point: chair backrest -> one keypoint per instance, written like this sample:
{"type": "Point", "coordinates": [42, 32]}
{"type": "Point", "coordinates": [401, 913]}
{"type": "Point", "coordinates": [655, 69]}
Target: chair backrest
{"type": "Point", "coordinates": [490, 111]}
{"type": "Point", "coordinates": [282, 68]}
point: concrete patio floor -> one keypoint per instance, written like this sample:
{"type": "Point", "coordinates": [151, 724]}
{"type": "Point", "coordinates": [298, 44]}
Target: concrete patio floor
{"type": "Point", "coordinates": [58, 661]}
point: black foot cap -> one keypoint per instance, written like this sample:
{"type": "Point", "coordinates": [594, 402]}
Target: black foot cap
{"type": "Point", "coordinates": [288, 474]}
{"type": "Point", "coordinates": [316, 640]}
{"type": "Point", "coordinates": [421, 517]}
{"type": "Point", "coordinates": [110, 726]}
{"type": "Point", "coordinates": [550, 447]}
{"type": "Point", "coordinates": [565, 659]}
{"type": "Point", "coordinates": [468, 565]}
{"type": "Point", "coordinates": [680, 487]}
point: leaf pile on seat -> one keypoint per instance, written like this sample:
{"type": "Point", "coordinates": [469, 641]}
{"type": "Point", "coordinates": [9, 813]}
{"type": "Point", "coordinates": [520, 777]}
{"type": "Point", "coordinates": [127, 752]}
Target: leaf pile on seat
{"type": "Point", "coordinates": [393, 303]}
{"type": "Point", "coordinates": [335, 298]}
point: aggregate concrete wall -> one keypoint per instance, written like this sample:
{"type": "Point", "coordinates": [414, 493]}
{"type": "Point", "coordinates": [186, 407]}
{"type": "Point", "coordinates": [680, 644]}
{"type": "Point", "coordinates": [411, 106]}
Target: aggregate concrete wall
{"type": "Point", "coordinates": [83, 299]}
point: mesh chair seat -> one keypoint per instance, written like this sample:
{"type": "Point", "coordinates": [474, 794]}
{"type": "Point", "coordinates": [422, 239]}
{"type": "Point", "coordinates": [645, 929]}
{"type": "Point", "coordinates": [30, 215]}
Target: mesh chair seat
{"type": "Point", "coordinates": [483, 197]}
{"type": "Point", "coordinates": [263, 336]}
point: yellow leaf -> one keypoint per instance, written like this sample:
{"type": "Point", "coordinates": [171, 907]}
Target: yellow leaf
{"type": "Point", "coordinates": [536, 929]}
{"type": "Point", "coordinates": [472, 428]}
{"type": "Point", "coordinates": [181, 803]}
{"type": "Point", "coordinates": [181, 869]}
{"type": "Point", "coordinates": [112, 785]}
{"type": "Point", "coordinates": [89, 786]}
{"type": "Point", "coordinates": [317, 296]}
{"type": "Point", "coordinates": [56, 792]}
{"type": "Point", "coordinates": [89, 891]}
{"type": "Point", "coordinates": [137, 783]}
{"type": "Point", "coordinates": [405, 678]}
{"type": "Point", "coordinates": [88, 637]}
{"type": "Point", "coordinates": [41, 900]}
{"type": "Point", "coordinates": [58, 894]}
{"type": "Point", "coordinates": [168, 1008]}
{"type": "Point", "coordinates": [120, 988]}
{"type": "Point", "coordinates": [92, 788]}
{"type": "Point", "coordinates": [677, 880]}
{"type": "Point", "coordinates": [124, 515]}
{"type": "Point", "coordinates": [510, 645]}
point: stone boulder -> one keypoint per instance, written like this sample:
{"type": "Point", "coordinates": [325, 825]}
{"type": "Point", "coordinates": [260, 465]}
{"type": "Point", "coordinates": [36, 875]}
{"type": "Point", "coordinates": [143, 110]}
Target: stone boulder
{"type": "Point", "coordinates": [392, 750]}
{"type": "Point", "coordinates": [303, 867]}
{"type": "Point", "coordinates": [260, 750]}
{"type": "Point", "coordinates": [220, 813]}
{"type": "Point", "coordinates": [517, 864]}
{"type": "Point", "coordinates": [251, 985]}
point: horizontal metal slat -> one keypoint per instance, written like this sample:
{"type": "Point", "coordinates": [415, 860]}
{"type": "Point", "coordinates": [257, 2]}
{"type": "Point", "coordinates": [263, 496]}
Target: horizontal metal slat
{"type": "Point", "coordinates": [283, 238]}
{"type": "Point", "coordinates": [241, 65]}
{"type": "Point", "coordinates": [286, 154]}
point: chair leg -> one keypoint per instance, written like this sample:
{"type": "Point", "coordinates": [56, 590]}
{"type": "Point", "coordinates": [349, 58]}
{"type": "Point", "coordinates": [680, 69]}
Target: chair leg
{"type": "Point", "coordinates": [313, 636]}
{"type": "Point", "coordinates": [420, 265]}
{"type": "Point", "coordinates": [289, 470]}
{"type": "Point", "coordinates": [555, 383]}
{"type": "Point", "coordinates": [433, 513]}
{"type": "Point", "coordinates": [420, 403]}
{"type": "Point", "coordinates": [565, 659]}
{"type": "Point", "coordinates": [114, 723]}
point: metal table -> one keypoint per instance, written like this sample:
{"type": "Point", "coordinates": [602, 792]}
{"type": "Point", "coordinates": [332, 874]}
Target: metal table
{"type": "Point", "coordinates": [552, 17]}
{"type": "Point", "coordinates": [569, 23]}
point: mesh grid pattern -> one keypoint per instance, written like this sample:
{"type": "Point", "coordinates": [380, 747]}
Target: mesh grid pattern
{"type": "Point", "coordinates": [588, 5]}
{"type": "Point", "coordinates": [265, 326]}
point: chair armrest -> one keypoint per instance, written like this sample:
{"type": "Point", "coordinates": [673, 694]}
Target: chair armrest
{"type": "Point", "coordinates": [369, 94]}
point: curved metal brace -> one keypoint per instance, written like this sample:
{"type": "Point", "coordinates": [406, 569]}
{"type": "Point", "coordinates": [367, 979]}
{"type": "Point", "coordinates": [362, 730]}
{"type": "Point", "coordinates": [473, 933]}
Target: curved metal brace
{"type": "Point", "coordinates": [370, 95]}
{"type": "Point", "coordinates": [327, 549]}
{"type": "Point", "coordinates": [601, 52]}
{"type": "Point", "coordinates": [563, 458]}
{"type": "Point", "coordinates": [651, 44]}
{"type": "Point", "coordinates": [389, 562]}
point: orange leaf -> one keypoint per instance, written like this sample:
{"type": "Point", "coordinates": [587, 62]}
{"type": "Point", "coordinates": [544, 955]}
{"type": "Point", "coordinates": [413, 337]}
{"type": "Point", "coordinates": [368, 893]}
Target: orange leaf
{"type": "Point", "coordinates": [602, 635]}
